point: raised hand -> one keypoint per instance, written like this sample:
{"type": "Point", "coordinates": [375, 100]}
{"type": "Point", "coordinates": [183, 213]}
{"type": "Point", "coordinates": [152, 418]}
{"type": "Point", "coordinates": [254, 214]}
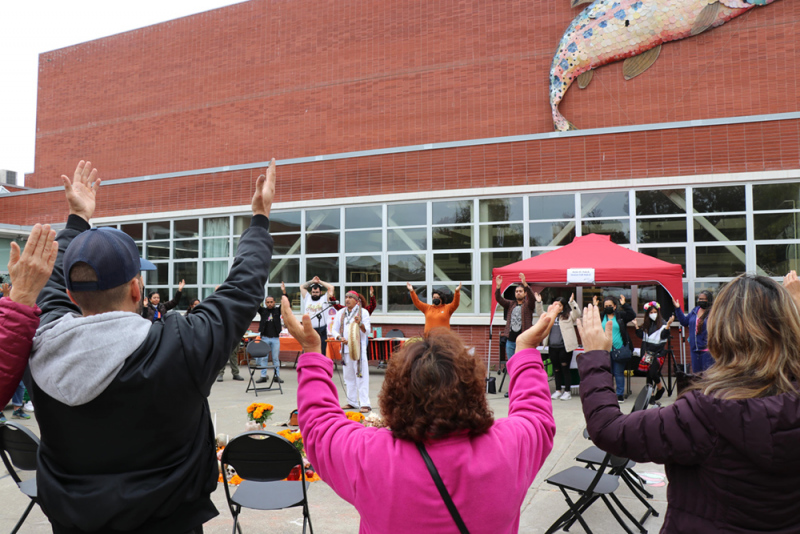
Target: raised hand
{"type": "Point", "coordinates": [459, 286]}
{"type": "Point", "coordinates": [533, 336]}
{"type": "Point", "coordinates": [371, 291]}
{"type": "Point", "coordinates": [792, 284]}
{"type": "Point", "coordinates": [622, 300]}
{"type": "Point", "coordinates": [409, 286]}
{"type": "Point", "coordinates": [30, 270]}
{"type": "Point", "coordinates": [5, 289]}
{"type": "Point", "coordinates": [593, 335]}
{"type": "Point", "coordinates": [180, 286]}
{"type": "Point", "coordinates": [283, 288]}
{"type": "Point", "coordinates": [677, 304]}
{"type": "Point", "coordinates": [265, 191]}
{"type": "Point", "coordinates": [522, 278]}
{"type": "Point", "coordinates": [305, 334]}
{"type": "Point", "coordinates": [595, 300]}
{"type": "Point", "coordinates": [82, 190]}
{"type": "Point", "coordinates": [670, 320]}
{"type": "Point", "coordinates": [537, 296]}
{"type": "Point", "coordinates": [499, 280]}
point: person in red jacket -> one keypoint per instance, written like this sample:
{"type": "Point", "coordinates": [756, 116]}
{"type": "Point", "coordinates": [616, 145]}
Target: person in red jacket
{"type": "Point", "coordinates": [729, 442]}
{"type": "Point", "coordinates": [19, 315]}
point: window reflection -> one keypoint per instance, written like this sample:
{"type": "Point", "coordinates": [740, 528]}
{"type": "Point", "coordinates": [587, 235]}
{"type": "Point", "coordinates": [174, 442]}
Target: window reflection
{"type": "Point", "coordinates": [285, 270]}
{"type": "Point", "coordinates": [718, 199]}
{"type": "Point", "coordinates": [493, 260]}
{"type": "Point", "coordinates": [720, 228]}
{"type": "Point", "coordinates": [618, 230]}
{"type": "Point", "coordinates": [551, 234]}
{"type": "Point", "coordinates": [452, 266]}
{"type": "Point", "coordinates": [406, 267]}
{"type": "Point", "coordinates": [776, 226]}
{"type": "Point", "coordinates": [777, 260]}
{"type": "Point", "coordinates": [551, 207]}
{"type": "Point", "coordinates": [660, 230]}
{"type": "Point", "coordinates": [452, 212]}
{"type": "Point", "coordinates": [363, 270]}
{"type": "Point", "coordinates": [285, 221]}
{"type": "Point", "coordinates": [363, 241]}
{"type": "Point", "coordinates": [326, 268]}
{"type": "Point", "coordinates": [323, 219]}
{"type": "Point", "coordinates": [407, 214]}
{"type": "Point", "coordinates": [501, 235]}
{"type": "Point", "coordinates": [604, 204]}
{"type": "Point", "coordinates": [500, 209]}
{"type": "Point", "coordinates": [363, 217]}
{"type": "Point", "coordinates": [407, 239]}
{"type": "Point", "coordinates": [446, 237]}
{"type": "Point", "coordinates": [727, 261]}
{"type": "Point", "coordinates": [323, 243]}
{"type": "Point", "coordinates": [661, 202]}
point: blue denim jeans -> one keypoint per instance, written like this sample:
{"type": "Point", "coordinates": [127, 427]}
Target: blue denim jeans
{"type": "Point", "coordinates": [511, 349]}
{"type": "Point", "coordinates": [19, 394]}
{"type": "Point", "coordinates": [274, 344]}
{"type": "Point", "coordinates": [618, 368]}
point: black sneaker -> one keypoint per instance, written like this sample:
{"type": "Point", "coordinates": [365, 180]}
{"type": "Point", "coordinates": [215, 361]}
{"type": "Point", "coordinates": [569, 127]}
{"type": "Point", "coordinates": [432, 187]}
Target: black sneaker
{"type": "Point", "coordinates": [219, 378]}
{"type": "Point", "coordinates": [238, 377]}
{"type": "Point", "coordinates": [621, 399]}
{"type": "Point", "coordinates": [261, 380]}
{"type": "Point", "coordinates": [279, 380]}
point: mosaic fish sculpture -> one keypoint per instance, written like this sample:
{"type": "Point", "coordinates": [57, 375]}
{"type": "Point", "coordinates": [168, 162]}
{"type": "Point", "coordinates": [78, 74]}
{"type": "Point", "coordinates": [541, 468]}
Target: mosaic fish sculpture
{"type": "Point", "coordinates": [633, 30]}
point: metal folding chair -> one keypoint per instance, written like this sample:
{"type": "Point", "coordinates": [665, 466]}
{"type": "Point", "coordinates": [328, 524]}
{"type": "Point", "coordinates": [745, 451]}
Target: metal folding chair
{"type": "Point", "coordinates": [18, 449]}
{"type": "Point", "coordinates": [258, 349]}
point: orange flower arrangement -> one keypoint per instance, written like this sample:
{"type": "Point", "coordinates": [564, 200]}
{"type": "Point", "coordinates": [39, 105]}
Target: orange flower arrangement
{"type": "Point", "coordinates": [358, 417]}
{"type": "Point", "coordinates": [259, 412]}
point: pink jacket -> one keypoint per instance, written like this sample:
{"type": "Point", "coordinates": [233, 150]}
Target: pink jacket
{"type": "Point", "coordinates": [18, 324]}
{"type": "Point", "coordinates": [386, 479]}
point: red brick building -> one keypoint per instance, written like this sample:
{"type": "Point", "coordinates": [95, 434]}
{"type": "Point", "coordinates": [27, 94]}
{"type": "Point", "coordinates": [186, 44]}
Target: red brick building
{"type": "Point", "coordinates": [415, 143]}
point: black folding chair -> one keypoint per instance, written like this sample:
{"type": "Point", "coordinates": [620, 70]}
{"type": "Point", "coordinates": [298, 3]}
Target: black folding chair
{"type": "Point", "coordinates": [259, 349]}
{"type": "Point", "coordinates": [263, 459]}
{"type": "Point", "coordinates": [18, 448]}
{"type": "Point", "coordinates": [394, 332]}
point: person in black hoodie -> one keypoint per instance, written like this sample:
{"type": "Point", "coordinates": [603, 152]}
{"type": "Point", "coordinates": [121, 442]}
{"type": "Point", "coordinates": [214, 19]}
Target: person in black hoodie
{"type": "Point", "coordinates": [127, 441]}
{"type": "Point", "coordinates": [154, 309]}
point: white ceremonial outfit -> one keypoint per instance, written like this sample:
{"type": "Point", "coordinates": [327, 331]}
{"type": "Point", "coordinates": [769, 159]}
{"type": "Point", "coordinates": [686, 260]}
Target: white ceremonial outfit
{"type": "Point", "coordinates": [356, 388]}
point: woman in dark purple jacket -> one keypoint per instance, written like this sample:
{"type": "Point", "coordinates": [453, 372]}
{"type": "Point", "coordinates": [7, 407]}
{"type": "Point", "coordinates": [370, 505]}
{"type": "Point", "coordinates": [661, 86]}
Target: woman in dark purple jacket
{"type": "Point", "coordinates": [730, 442]}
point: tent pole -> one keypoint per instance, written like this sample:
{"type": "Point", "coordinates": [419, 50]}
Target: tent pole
{"type": "Point", "coordinates": [489, 360]}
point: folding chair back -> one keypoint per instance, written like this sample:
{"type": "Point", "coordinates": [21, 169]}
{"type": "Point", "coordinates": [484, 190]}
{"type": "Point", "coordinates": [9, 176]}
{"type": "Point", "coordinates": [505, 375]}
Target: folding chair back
{"type": "Point", "coordinates": [18, 449]}
{"type": "Point", "coordinates": [642, 399]}
{"type": "Point", "coordinates": [258, 349]}
{"type": "Point", "coordinates": [394, 333]}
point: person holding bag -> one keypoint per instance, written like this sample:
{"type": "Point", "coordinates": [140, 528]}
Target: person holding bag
{"type": "Point", "coordinates": [654, 333]}
{"type": "Point", "coordinates": [561, 342]}
{"type": "Point", "coordinates": [621, 352]}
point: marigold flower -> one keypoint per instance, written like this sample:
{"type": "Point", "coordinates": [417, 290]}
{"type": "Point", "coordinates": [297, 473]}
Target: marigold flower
{"type": "Point", "coordinates": [251, 408]}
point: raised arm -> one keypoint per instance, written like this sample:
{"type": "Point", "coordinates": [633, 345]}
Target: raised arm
{"type": "Point", "coordinates": [575, 310]}
{"type": "Point", "coordinates": [177, 298]}
{"type": "Point", "coordinates": [421, 306]}
{"type": "Point", "coordinates": [679, 315]}
{"type": "Point", "coordinates": [498, 295]}
{"type": "Point", "coordinates": [328, 287]}
{"type": "Point", "coordinates": [453, 306]}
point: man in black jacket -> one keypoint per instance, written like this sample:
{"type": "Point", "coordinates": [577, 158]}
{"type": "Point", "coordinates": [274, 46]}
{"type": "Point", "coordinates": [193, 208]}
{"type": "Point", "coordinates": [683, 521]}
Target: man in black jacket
{"type": "Point", "coordinates": [127, 439]}
{"type": "Point", "coordinates": [270, 328]}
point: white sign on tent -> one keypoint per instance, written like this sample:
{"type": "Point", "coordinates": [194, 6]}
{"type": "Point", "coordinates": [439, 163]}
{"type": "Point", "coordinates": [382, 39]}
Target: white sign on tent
{"type": "Point", "coordinates": [580, 276]}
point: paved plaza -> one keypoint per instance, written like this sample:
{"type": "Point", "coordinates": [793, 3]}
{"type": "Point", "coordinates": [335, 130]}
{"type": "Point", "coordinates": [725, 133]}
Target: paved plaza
{"type": "Point", "coordinates": [330, 514]}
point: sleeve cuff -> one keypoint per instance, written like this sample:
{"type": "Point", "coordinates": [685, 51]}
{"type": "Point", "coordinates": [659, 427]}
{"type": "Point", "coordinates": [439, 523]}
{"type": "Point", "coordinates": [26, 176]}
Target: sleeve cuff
{"type": "Point", "coordinates": [76, 222]}
{"type": "Point", "coordinates": [260, 220]}
{"type": "Point", "coordinates": [310, 359]}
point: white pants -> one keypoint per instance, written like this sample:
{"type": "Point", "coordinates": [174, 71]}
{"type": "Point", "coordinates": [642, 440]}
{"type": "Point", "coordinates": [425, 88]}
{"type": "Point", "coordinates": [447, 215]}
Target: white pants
{"type": "Point", "coordinates": [356, 389]}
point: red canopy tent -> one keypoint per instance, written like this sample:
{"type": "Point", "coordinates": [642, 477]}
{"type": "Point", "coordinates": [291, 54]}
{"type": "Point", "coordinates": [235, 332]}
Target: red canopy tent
{"type": "Point", "coordinates": [612, 264]}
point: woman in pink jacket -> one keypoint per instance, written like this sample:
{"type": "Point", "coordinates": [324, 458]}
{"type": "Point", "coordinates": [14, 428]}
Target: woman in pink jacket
{"type": "Point", "coordinates": [433, 395]}
{"type": "Point", "coordinates": [19, 316]}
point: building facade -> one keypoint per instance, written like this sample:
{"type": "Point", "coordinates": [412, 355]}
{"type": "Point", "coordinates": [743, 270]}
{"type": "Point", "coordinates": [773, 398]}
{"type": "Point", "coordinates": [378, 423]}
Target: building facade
{"type": "Point", "coordinates": [415, 144]}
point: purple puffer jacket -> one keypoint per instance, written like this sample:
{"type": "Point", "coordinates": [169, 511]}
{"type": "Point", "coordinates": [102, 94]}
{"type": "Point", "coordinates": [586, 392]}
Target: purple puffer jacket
{"type": "Point", "coordinates": [733, 465]}
{"type": "Point", "coordinates": [18, 324]}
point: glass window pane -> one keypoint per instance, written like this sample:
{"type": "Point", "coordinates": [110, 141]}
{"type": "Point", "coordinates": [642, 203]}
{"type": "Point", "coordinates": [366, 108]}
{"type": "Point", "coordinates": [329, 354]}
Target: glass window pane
{"type": "Point", "coordinates": [551, 207]}
{"type": "Point", "coordinates": [661, 230]}
{"type": "Point", "coordinates": [188, 295]}
{"type": "Point", "coordinates": [604, 204]}
{"type": "Point", "coordinates": [185, 270]}
{"type": "Point", "coordinates": [618, 230]}
{"type": "Point", "coordinates": [242, 223]}
{"type": "Point", "coordinates": [158, 250]}
{"type": "Point", "coordinates": [552, 234]}
{"type": "Point", "coordinates": [452, 266]}
{"type": "Point", "coordinates": [493, 260]}
{"type": "Point", "coordinates": [326, 268]}
{"type": "Point", "coordinates": [327, 243]}
{"type": "Point", "coordinates": [286, 243]}
{"type": "Point", "coordinates": [774, 196]}
{"type": "Point", "coordinates": [714, 287]}
{"type": "Point", "coordinates": [486, 301]}
{"type": "Point", "coordinates": [363, 217]}
{"type": "Point", "coordinates": [216, 248]}
{"type": "Point", "coordinates": [720, 228]}
{"type": "Point", "coordinates": [136, 231]}
{"type": "Point", "coordinates": [185, 249]}
{"type": "Point", "coordinates": [668, 254]}
{"type": "Point", "coordinates": [215, 272]}
{"type": "Point", "coordinates": [777, 260]}
{"type": "Point", "coordinates": [292, 292]}
{"type": "Point", "coordinates": [406, 267]}
{"type": "Point", "coordinates": [186, 228]}
{"type": "Point", "coordinates": [284, 221]}
{"type": "Point", "coordinates": [776, 226]}
{"type": "Point", "coordinates": [500, 209]}
{"type": "Point", "coordinates": [407, 239]}
{"type": "Point", "coordinates": [285, 270]}
{"type": "Point", "coordinates": [158, 230]}
{"type": "Point", "coordinates": [661, 202]}
{"type": "Point", "coordinates": [399, 299]}
{"type": "Point", "coordinates": [452, 212]}
{"type": "Point", "coordinates": [323, 219]}
{"type": "Point", "coordinates": [364, 270]}
{"type": "Point", "coordinates": [727, 261]}
{"type": "Point", "coordinates": [407, 214]}
{"type": "Point", "coordinates": [501, 235]}
{"type": "Point", "coordinates": [159, 277]}
{"type": "Point", "coordinates": [216, 226]}
{"type": "Point", "coordinates": [718, 199]}
{"type": "Point", "coordinates": [445, 237]}
{"type": "Point", "coordinates": [363, 241]}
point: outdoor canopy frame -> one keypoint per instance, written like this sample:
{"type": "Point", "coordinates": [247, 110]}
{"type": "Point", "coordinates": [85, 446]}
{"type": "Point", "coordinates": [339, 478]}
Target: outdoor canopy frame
{"type": "Point", "coordinates": [612, 264]}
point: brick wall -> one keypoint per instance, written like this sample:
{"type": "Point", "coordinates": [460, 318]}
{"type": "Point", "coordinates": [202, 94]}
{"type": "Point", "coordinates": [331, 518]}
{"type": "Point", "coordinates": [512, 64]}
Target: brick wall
{"type": "Point", "coordinates": [296, 78]}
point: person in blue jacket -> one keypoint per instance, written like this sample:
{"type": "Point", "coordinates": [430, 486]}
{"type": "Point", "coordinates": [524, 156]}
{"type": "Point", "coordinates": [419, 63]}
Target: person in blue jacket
{"type": "Point", "coordinates": [698, 331]}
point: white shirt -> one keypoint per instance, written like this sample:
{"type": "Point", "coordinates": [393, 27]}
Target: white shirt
{"type": "Point", "coordinates": [313, 307]}
{"type": "Point", "coordinates": [343, 318]}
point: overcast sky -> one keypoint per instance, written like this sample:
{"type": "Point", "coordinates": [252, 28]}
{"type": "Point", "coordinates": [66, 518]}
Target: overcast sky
{"type": "Point", "coordinates": [31, 27]}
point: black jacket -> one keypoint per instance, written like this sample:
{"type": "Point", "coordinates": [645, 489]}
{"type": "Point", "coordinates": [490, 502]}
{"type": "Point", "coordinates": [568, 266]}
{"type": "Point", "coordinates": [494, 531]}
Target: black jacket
{"type": "Point", "coordinates": [624, 314]}
{"type": "Point", "coordinates": [140, 457]}
{"type": "Point", "coordinates": [149, 311]}
{"type": "Point", "coordinates": [270, 328]}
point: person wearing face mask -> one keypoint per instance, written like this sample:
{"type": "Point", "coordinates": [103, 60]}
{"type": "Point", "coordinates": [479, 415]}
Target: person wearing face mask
{"type": "Point", "coordinates": [437, 313]}
{"type": "Point", "coordinates": [698, 335]}
{"type": "Point", "coordinates": [619, 316]}
{"type": "Point", "coordinates": [654, 333]}
{"type": "Point", "coordinates": [561, 342]}
{"type": "Point", "coordinates": [315, 303]}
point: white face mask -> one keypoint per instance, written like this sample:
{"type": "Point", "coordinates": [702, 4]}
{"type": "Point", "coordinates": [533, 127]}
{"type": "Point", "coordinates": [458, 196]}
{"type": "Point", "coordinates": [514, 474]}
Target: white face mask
{"type": "Point", "coordinates": [653, 316]}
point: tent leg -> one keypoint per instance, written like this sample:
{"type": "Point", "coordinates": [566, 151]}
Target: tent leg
{"type": "Point", "coordinates": [489, 359]}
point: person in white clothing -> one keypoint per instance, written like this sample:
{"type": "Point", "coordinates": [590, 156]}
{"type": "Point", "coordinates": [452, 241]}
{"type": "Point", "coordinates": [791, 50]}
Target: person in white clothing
{"type": "Point", "coordinates": [351, 325]}
{"type": "Point", "coordinates": [316, 305]}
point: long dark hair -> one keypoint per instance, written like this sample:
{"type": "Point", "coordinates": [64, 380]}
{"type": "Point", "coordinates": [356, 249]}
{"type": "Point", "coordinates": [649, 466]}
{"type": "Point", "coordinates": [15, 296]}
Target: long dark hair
{"type": "Point", "coordinates": [564, 306]}
{"type": "Point", "coordinates": [647, 322]}
{"type": "Point", "coordinates": [702, 320]}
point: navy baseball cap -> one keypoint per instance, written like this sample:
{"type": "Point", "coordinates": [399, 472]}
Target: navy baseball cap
{"type": "Point", "coordinates": [111, 253]}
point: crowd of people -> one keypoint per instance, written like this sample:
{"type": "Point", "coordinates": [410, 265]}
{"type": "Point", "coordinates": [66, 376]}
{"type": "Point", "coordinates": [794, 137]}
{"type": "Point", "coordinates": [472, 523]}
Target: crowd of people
{"type": "Point", "coordinates": [728, 441]}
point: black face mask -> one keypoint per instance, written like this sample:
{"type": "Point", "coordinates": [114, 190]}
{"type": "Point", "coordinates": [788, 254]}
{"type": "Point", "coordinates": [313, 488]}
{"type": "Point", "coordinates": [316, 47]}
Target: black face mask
{"type": "Point", "coordinates": [609, 310]}
{"type": "Point", "coordinates": [316, 297]}
{"type": "Point", "coordinates": [436, 302]}
{"type": "Point", "coordinates": [703, 304]}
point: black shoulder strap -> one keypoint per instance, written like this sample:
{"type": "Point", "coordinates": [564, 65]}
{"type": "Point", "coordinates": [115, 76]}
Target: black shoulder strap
{"type": "Point", "coordinates": [442, 489]}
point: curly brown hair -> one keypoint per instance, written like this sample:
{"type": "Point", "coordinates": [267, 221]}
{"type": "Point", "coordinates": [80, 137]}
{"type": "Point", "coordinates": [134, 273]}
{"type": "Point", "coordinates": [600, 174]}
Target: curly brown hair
{"type": "Point", "coordinates": [434, 387]}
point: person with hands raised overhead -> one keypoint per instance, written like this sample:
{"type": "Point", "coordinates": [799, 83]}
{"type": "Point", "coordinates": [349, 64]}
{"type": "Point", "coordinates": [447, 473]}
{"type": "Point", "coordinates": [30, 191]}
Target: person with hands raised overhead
{"type": "Point", "coordinates": [154, 309]}
{"type": "Point", "coordinates": [433, 398]}
{"type": "Point", "coordinates": [654, 333]}
{"type": "Point", "coordinates": [315, 303]}
{"type": "Point", "coordinates": [561, 342]}
{"type": "Point", "coordinates": [729, 441]}
{"type": "Point", "coordinates": [698, 333]}
{"type": "Point", "coordinates": [437, 313]}
{"type": "Point", "coordinates": [619, 317]}
{"type": "Point", "coordinates": [135, 391]}
{"type": "Point", "coordinates": [519, 312]}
